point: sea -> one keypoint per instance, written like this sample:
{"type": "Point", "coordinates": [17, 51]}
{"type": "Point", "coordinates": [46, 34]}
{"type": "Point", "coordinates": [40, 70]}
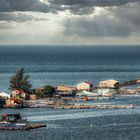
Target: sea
{"type": "Point", "coordinates": [69, 65]}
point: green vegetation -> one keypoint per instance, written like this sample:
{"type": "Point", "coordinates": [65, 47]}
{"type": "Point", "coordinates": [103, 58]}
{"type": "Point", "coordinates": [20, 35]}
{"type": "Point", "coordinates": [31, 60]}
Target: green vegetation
{"type": "Point", "coordinates": [38, 93]}
{"type": "Point", "coordinates": [20, 81]}
{"type": "Point", "coordinates": [2, 101]}
{"type": "Point", "coordinates": [49, 90]}
{"type": "Point", "coordinates": [46, 91]}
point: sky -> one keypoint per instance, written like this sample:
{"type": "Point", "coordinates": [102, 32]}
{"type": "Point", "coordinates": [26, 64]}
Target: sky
{"type": "Point", "coordinates": [70, 22]}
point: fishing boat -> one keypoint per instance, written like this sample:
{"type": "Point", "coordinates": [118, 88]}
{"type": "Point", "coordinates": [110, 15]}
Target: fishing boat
{"type": "Point", "coordinates": [15, 122]}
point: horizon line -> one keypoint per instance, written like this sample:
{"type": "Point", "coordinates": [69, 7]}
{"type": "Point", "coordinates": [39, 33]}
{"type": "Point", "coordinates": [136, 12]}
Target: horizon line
{"type": "Point", "coordinates": [59, 45]}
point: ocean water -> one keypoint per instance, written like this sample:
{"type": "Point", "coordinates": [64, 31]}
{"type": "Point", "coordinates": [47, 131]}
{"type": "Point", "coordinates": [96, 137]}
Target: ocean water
{"type": "Point", "coordinates": [69, 65]}
{"type": "Point", "coordinates": [83, 124]}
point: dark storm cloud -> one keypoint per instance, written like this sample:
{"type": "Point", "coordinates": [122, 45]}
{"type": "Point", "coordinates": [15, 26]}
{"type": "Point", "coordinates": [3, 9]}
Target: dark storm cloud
{"type": "Point", "coordinates": [75, 6]}
{"type": "Point", "coordinates": [120, 21]}
{"type": "Point", "coordinates": [23, 5]}
{"type": "Point", "coordinates": [74, 9]}
{"type": "Point", "coordinates": [85, 6]}
{"type": "Point", "coordinates": [91, 2]}
{"type": "Point", "coordinates": [10, 10]}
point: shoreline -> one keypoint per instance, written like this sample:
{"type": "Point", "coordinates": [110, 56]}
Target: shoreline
{"type": "Point", "coordinates": [75, 103]}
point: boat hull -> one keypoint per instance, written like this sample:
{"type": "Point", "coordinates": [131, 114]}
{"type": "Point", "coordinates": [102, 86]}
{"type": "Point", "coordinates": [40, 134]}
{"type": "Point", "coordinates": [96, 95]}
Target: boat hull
{"type": "Point", "coordinates": [20, 127]}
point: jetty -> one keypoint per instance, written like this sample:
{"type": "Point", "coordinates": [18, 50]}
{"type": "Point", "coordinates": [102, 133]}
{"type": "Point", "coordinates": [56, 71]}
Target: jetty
{"type": "Point", "coordinates": [83, 106]}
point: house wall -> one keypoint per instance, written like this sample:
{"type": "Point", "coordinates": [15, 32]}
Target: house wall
{"type": "Point", "coordinates": [16, 93]}
{"type": "Point", "coordinates": [84, 86]}
{"type": "Point", "coordinates": [107, 83]}
{"type": "Point", "coordinates": [33, 97]}
{"type": "Point", "coordinates": [66, 94]}
{"type": "Point", "coordinates": [65, 88]}
{"type": "Point", "coordinates": [10, 103]}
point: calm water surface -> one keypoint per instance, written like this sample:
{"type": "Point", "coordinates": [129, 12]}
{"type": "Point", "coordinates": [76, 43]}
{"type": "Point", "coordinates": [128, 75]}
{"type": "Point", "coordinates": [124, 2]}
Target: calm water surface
{"type": "Point", "coordinates": [69, 65]}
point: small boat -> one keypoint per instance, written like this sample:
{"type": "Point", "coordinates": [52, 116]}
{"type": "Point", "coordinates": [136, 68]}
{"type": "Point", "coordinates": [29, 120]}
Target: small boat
{"type": "Point", "coordinates": [15, 122]}
{"type": "Point", "coordinates": [88, 93]}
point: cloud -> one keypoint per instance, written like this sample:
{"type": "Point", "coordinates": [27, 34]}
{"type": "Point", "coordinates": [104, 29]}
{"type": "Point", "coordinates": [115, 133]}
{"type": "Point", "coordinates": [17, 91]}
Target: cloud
{"type": "Point", "coordinates": [17, 10]}
{"type": "Point", "coordinates": [23, 5]}
{"type": "Point", "coordinates": [122, 21]}
{"type": "Point", "coordinates": [101, 3]}
{"type": "Point", "coordinates": [74, 9]}
{"type": "Point", "coordinates": [4, 26]}
{"type": "Point", "coordinates": [69, 21]}
{"type": "Point", "coordinates": [99, 27]}
{"type": "Point", "coordinates": [75, 6]}
{"type": "Point", "coordinates": [18, 17]}
{"type": "Point", "coordinates": [82, 7]}
{"type": "Point", "coordinates": [128, 12]}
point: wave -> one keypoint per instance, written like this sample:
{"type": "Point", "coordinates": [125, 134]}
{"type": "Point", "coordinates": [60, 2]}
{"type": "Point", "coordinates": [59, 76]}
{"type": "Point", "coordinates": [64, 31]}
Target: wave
{"type": "Point", "coordinates": [80, 115]}
{"type": "Point", "coordinates": [56, 126]}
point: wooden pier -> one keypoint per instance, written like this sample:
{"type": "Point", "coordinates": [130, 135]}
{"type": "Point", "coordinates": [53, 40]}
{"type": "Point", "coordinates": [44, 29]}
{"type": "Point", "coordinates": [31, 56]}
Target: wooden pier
{"type": "Point", "coordinates": [94, 107]}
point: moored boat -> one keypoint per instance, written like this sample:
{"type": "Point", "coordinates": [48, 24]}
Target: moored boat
{"type": "Point", "coordinates": [89, 93]}
{"type": "Point", "coordinates": [15, 122]}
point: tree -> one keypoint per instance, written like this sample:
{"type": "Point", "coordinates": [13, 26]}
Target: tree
{"type": "Point", "coordinates": [20, 81]}
{"type": "Point", "coordinates": [49, 90]}
{"type": "Point", "coordinates": [2, 101]}
{"type": "Point", "coordinates": [37, 93]}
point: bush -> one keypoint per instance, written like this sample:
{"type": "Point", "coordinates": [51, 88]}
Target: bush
{"type": "Point", "coordinates": [49, 90]}
{"type": "Point", "coordinates": [46, 91]}
{"type": "Point", "coordinates": [2, 101]}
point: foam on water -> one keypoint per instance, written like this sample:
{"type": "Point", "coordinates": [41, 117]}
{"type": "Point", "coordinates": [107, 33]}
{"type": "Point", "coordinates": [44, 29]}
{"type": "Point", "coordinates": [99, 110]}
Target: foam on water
{"type": "Point", "coordinates": [93, 125]}
{"type": "Point", "coordinates": [84, 114]}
